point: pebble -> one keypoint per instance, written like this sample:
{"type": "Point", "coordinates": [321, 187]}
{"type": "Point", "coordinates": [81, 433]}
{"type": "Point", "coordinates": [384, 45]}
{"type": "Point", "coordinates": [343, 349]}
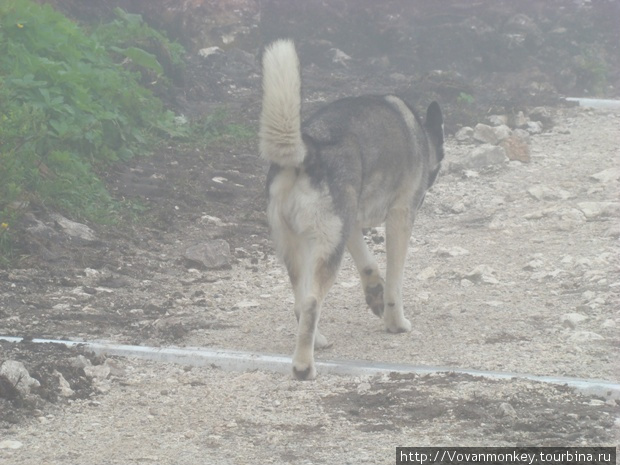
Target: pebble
{"type": "Point", "coordinates": [534, 127]}
{"type": "Point", "coordinates": [210, 51]}
{"type": "Point", "coordinates": [480, 157]}
{"type": "Point", "coordinates": [571, 320]}
{"type": "Point", "coordinates": [578, 337]}
{"type": "Point", "coordinates": [609, 324]}
{"type": "Point", "coordinates": [608, 175]}
{"type": "Point", "coordinates": [451, 252]}
{"type": "Point", "coordinates": [508, 410]}
{"type": "Point", "coordinates": [214, 254]}
{"type": "Point", "coordinates": [458, 207]}
{"type": "Point", "coordinates": [594, 210]}
{"type": "Point", "coordinates": [498, 120]}
{"type": "Point", "coordinates": [481, 274]}
{"type": "Point", "coordinates": [533, 265]}
{"type": "Point", "coordinates": [247, 304]}
{"type": "Point", "coordinates": [548, 193]}
{"type": "Point", "coordinates": [464, 134]}
{"type": "Point", "coordinates": [97, 371]}
{"type": "Point", "coordinates": [427, 273]}
{"type": "Point", "coordinates": [10, 444]}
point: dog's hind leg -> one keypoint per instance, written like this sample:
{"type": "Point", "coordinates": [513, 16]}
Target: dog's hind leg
{"type": "Point", "coordinates": [315, 280]}
{"type": "Point", "coordinates": [398, 226]}
{"type": "Point", "coordinates": [301, 292]}
{"type": "Point", "coordinates": [372, 282]}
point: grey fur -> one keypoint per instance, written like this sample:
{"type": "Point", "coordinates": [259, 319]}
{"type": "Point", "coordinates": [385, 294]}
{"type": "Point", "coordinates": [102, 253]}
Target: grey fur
{"type": "Point", "coordinates": [366, 160]}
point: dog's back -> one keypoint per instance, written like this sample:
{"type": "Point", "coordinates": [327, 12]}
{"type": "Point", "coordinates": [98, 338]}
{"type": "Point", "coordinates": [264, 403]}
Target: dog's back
{"type": "Point", "coordinates": [384, 138]}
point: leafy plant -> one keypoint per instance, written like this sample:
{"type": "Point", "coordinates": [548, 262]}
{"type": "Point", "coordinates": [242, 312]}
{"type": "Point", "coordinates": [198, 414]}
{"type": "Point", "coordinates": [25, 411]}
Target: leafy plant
{"type": "Point", "coordinates": [465, 98]}
{"type": "Point", "coordinates": [142, 48]}
{"type": "Point", "coordinates": [69, 108]}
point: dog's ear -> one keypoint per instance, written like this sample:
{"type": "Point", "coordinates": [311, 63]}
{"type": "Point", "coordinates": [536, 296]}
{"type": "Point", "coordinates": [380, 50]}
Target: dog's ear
{"type": "Point", "coordinates": [434, 122]}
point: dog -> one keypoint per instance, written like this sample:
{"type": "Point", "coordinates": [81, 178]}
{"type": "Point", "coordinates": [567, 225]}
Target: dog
{"type": "Point", "coordinates": [356, 163]}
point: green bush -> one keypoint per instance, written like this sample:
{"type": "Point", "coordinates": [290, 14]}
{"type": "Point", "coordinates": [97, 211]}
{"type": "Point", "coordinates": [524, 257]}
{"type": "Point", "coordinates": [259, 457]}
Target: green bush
{"type": "Point", "coordinates": [143, 49]}
{"type": "Point", "coordinates": [69, 107]}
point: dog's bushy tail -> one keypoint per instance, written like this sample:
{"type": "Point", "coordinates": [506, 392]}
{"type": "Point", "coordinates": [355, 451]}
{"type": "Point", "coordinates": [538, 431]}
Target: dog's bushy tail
{"type": "Point", "coordinates": [280, 121]}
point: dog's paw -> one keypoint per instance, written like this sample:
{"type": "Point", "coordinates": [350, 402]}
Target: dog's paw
{"type": "Point", "coordinates": [304, 372]}
{"type": "Point", "coordinates": [398, 325]}
{"type": "Point", "coordinates": [374, 298]}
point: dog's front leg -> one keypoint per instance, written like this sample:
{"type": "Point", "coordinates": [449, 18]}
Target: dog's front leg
{"type": "Point", "coordinates": [398, 226]}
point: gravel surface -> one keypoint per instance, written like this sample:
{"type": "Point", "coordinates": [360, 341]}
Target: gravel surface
{"type": "Point", "coordinates": [512, 267]}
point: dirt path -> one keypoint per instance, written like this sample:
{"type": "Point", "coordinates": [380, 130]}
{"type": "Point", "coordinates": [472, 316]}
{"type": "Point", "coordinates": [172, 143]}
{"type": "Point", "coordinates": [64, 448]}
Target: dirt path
{"type": "Point", "coordinates": [511, 268]}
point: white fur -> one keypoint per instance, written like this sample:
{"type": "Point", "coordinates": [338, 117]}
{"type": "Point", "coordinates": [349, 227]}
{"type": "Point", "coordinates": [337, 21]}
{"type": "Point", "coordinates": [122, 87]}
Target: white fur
{"type": "Point", "coordinates": [306, 231]}
{"type": "Point", "coordinates": [280, 120]}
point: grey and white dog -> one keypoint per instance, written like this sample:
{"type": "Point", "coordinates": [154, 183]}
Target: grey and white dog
{"type": "Point", "coordinates": [355, 163]}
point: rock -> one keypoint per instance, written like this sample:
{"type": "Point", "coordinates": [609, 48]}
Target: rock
{"type": "Point", "coordinates": [77, 231]}
{"type": "Point", "coordinates": [498, 120]}
{"type": "Point", "coordinates": [571, 320]}
{"type": "Point", "coordinates": [10, 444]}
{"type": "Point", "coordinates": [485, 134]}
{"type": "Point", "coordinates": [211, 255]}
{"type": "Point", "coordinates": [522, 24]}
{"type": "Point", "coordinates": [593, 210]}
{"type": "Point", "coordinates": [210, 52]}
{"type": "Point", "coordinates": [427, 273]}
{"type": "Point", "coordinates": [507, 410]}
{"type": "Point", "coordinates": [608, 175]}
{"type": "Point", "coordinates": [520, 120]}
{"type": "Point", "coordinates": [522, 134]}
{"type": "Point", "coordinates": [464, 134]}
{"type": "Point", "coordinates": [578, 337]}
{"type": "Point", "coordinates": [481, 274]}
{"type": "Point", "coordinates": [38, 229]}
{"type": "Point", "coordinates": [502, 132]}
{"type": "Point", "coordinates": [63, 385]}
{"type": "Point", "coordinates": [542, 115]}
{"type": "Point", "coordinates": [338, 57]}
{"type": "Point", "coordinates": [99, 372]}
{"type": "Point", "coordinates": [547, 193]}
{"type": "Point", "coordinates": [516, 148]}
{"type": "Point", "coordinates": [533, 265]}
{"type": "Point", "coordinates": [80, 362]}
{"type": "Point", "coordinates": [534, 127]}
{"type": "Point", "coordinates": [458, 207]}
{"type": "Point", "coordinates": [613, 231]}
{"type": "Point", "coordinates": [116, 369]}
{"type": "Point", "coordinates": [212, 220]}
{"type": "Point", "coordinates": [452, 252]}
{"type": "Point", "coordinates": [18, 375]}
{"type": "Point", "coordinates": [609, 324]}
{"type": "Point", "coordinates": [480, 157]}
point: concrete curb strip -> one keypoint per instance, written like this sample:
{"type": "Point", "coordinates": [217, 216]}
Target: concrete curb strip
{"type": "Point", "coordinates": [230, 360]}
